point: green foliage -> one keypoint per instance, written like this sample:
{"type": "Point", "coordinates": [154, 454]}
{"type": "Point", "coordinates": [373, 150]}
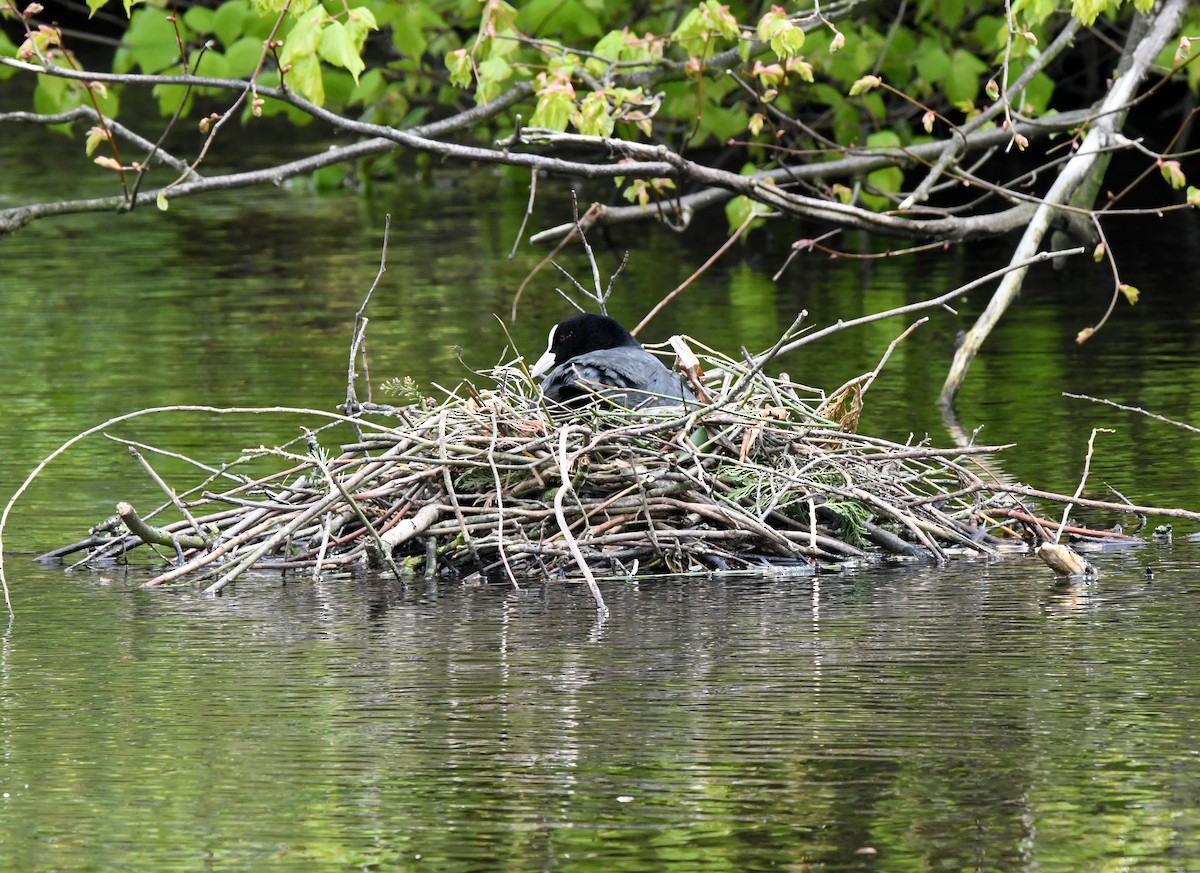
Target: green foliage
{"type": "Point", "coordinates": [1172, 173]}
{"type": "Point", "coordinates": [705, 28]}
{"type": "Point", "coordinates": [149, 43]}
{"type": "Point", "coordinates": [781, 33]}
{"type": "Point", "coordinates": [615, 69]}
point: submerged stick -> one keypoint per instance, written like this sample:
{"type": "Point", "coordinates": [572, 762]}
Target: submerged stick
{"type": "Point", "coordinates": [156, 535]}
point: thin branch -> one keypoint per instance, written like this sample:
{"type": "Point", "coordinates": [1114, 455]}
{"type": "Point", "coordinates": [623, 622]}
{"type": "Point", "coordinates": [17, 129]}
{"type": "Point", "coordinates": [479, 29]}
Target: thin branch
{"type": "Point", "coordinates": [1136, 409]}
{"type": "Point", "coordinates": [360, 326]}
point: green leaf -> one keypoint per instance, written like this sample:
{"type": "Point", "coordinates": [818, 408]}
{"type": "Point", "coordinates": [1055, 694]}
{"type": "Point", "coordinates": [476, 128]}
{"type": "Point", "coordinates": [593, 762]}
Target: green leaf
{"type": "Point", "coordinates": [95, 136]}
{"type": "Point", "coordinates": [161, 201]}
{"type": "Point", "coordinates": [458, 63]}
{"type": "Point", "coordinates": [568, 20]}
{"type": "Point", "coordinates": [170, 97]}
{"type": "Point", "coordinates": [872, 101]}
{"type": "Point", "coordinates": [52, 95]}
{"type": "Point", "coordinates": [149, 43]}
{"type": "Point", "coordinates": [304, 38]}
{"type": "Point", "coordinates": [771, 23]}
{"type": "Point", "coordinates": [337, 47]}
{"type": "Point", "coordinates": [1193, 196]}
{"type": "Point", "coordinates": [610, 46]}
{"type": "Point", "coordinates": [491, 74]}
{"type": "Point", "coordinates": [847, 124]}
{"type": "Point", "coordinates": [593, 118]}
{"type": "Point", "coordinates": [305, 78]}
{"type": "Point", "coordinates": [1087, 10]}
{"type": "Point", "coordinates": [884, 139]}
{"type": "Point", "coordinates": [370, 87]}
{"type": "Point", "coordinates": [705, 24]}
{"type": "Point", "coordinates": [689, 27]}
{"type": "Point", "coordinates": [229, 20]}
{"type": "Point", "coordinates": [93, 5]}
{"type": "Point", "coordinates": [741, 209]}
{"type": "Point", "coordinates": [1131, 293]}
{"type": "Point", "coordinates": [200, 19]}
{"type": "Point", "coordinates": [610, 49]}
{"type": "Point", "coordinates": [359, 23]}
{"type": "Point", "coordinates": [1172, 172]}
{"type": "Point", "coordinates": [888, 180]}
{"type": "Point", "coordinates": [864, 84]}
{"type": "Point", "coordinates": [408, 35]}
{"type": "Point", "coordinates": [495, 69]}
{"type": "Point", "coordinates": [962, 82]}
{"type": "Point", "coordinates": [1038, 92]}
{"type": "Point", "coordinates": [932, 64]}
{"type": "Point", "coordinates": [242, 57]}
{"type": "Point", "coordinates": [212, 65]}
{"type": "Point", "coordinates": [950, 13]}
{"type": "Point", "coordinates": [553, 111]}
{"type": "Point", "coordinates": [339, 85]}
{"type": "Point", "coordinates": [801, 68]}
{"type": "Point", "coordinates": [787, 43]}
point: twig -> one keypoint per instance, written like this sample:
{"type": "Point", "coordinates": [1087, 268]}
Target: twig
{"type": "Point", "coordinates": [1087, 466]}
{"type": "Point", "coordinates": [940, 300]}
{"type": "Point", "coordinates": [170, 492]}
{"type": "Point", "coordinates": [360, 326]}
{"type": "Point", "coordinates": [499, 499]}
{"type": "Point", "coordinates": [564, 487]}
{"type": "Point", "coordinates": [1136, 409]}
{"type": "Point", "coordinates": [716, 256]}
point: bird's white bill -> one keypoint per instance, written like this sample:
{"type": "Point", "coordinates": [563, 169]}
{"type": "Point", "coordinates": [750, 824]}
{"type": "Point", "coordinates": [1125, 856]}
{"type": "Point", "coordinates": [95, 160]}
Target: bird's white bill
{"type": "Point", "coordinates": [543, 365]}
{"type": "Point", "coordinates": [547, 360]}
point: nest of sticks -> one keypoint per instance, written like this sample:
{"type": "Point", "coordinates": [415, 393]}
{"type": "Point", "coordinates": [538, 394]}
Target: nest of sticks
{"type": "Point", "coordinates": [766, 473]}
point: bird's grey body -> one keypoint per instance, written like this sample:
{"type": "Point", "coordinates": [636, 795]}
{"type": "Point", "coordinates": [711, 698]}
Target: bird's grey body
{"type": "Point", "coordinates": [593, 357]}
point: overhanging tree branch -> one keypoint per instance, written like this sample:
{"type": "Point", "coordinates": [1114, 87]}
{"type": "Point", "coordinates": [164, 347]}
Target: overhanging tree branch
{"type": "Point", "coordinates": [1140, 52]}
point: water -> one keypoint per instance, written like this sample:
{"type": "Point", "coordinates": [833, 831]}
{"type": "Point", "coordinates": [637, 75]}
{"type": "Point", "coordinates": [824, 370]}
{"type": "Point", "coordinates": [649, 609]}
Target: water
{"type": "Point", "coordinates": [910, 718]}
{"type": "Point", "coordinates": [901, 717]}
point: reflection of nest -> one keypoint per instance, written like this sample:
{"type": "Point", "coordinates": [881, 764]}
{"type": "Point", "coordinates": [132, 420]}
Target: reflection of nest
{"type": "Point", "coordinates": [494, 483]}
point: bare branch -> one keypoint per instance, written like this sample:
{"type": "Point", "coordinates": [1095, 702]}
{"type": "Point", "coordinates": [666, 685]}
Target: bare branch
{"type": "Point", "coordinates": [1141, 50]}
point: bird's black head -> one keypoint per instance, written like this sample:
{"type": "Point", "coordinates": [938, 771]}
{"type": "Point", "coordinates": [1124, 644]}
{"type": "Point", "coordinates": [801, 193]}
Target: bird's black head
{"type": "Point", "coordinates": [580, 334]}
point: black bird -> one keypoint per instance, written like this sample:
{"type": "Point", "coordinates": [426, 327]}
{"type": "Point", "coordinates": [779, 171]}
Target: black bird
{"type": "Point", "coordinates": [590, 355]}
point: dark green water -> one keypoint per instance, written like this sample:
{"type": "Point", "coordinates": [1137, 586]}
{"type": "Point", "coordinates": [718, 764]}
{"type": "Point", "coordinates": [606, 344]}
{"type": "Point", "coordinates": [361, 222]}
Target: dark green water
{"type": "Point", "coordinates": [980, 718]}
{"type": "Point", "coordinates": [901, 718]}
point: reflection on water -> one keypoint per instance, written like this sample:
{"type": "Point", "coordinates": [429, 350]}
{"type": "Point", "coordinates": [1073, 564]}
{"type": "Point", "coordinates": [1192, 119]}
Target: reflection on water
{"type": "Point", "coordinates": [978, 718]}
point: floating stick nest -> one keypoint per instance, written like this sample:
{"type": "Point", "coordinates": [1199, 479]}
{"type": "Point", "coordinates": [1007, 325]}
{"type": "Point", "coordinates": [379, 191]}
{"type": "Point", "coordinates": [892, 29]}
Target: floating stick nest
{"type": "Point", "coordinates": [766, 473]}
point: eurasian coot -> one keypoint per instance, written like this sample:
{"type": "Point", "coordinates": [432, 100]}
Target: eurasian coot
{"type": "Point", "coordinates": [590, 355]}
